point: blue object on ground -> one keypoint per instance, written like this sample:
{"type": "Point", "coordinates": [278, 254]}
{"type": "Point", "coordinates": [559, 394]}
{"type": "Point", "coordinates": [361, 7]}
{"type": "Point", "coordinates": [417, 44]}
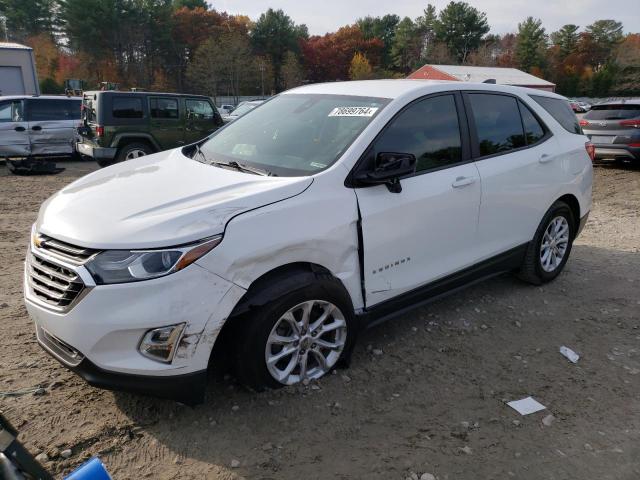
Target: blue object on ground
{"type": "Point", "coordinates": [93, 469]}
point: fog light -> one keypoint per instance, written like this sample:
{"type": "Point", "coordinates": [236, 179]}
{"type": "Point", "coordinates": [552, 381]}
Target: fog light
{"type": "Point", "coordinates": [160, 343]}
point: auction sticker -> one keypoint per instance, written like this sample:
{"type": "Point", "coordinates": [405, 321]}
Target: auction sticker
{"type": "Point", "coordinates": [353, 112]}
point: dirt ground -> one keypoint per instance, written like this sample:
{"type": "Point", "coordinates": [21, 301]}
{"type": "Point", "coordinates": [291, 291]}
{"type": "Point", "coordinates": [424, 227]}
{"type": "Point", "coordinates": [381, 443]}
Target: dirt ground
{"type": "Point", "coordinates": [432, 402]}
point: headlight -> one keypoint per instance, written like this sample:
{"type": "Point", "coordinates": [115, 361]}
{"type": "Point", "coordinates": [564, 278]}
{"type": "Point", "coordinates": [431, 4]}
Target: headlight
{"type": "Point", "coordinates": [120, 266]}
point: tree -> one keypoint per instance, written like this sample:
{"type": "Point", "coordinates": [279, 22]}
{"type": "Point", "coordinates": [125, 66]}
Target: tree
{"type": "Point", "coordinates": [328, 57]}
{"type": "Point", "coordinates": [273, 35]}
{"type": "Point", "coordinates": [407, 46]}
{"type": "Point", "coordinates": [426, 28]}
{"type": "Point", "coordinates": [27, 18]}
{"type": "Point", "coordinates": [360, 68]}
{"type": "Point", "coordinates": [292, 72]}
{"type": "Point", "coordinates": [566, 39]}
{"type": "Point", "coordinates": [605, 36]}
{"type": "Point", "coordinates": [628, 61]}
{"type": "Point", "coordinates": [531, 44]}
{"type": "Point", "coordinates": [383, 28]}
{"type": "Point", "coordinates": [220, 64]}
{"type": "Point", "coordinates": [461, 27]}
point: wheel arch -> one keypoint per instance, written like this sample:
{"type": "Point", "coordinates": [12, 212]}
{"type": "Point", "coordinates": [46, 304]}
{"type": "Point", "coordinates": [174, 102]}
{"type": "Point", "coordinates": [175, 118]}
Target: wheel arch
{"type": "Point", "coordinates": [263, 289]}
{"type": "Point", "coordinates": [573, 203]}
{"type": "Point", "coordinates": [121, 140]}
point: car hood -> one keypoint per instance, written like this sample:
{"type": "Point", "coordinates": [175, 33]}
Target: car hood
{"type": "Point", "coordinates": [161, 200]}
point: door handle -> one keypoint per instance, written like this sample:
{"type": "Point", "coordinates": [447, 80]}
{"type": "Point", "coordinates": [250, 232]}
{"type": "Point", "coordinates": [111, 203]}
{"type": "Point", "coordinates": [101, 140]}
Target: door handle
{"type": "Point", "coordinates": [37, 128]}
{"type": "Point", "coordinates": [545, 158]}
{"type": "Point", "coordinates": [19, 129]}
{"type": "Point", "coordinates": [463, 182]}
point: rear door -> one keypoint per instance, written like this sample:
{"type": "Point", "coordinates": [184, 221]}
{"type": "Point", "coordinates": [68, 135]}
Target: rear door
{"type": "Point", "coordinates": [14, 137]}
{"type": "Point", "coordinates": [520, 166]}
{"type": "Point", "coordinates": [166, 123]}
{"type": "Point", "coordinates": [201, 119]}
{"type": "Point", "coordinates": [427, 230]}
{"type": "Point", "coordinates": [52, 125]}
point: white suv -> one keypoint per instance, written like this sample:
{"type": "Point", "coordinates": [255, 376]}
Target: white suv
{"type": "Point", "coordinates": [276, 240]}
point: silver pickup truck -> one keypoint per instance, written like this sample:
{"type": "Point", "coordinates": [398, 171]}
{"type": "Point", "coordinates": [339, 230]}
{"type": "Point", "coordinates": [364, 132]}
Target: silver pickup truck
{"type": "Point", "coordinates": [38, 126]}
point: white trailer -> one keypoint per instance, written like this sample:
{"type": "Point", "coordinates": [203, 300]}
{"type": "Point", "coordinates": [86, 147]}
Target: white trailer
{"type": "Point", "coordinates": [17, 70]}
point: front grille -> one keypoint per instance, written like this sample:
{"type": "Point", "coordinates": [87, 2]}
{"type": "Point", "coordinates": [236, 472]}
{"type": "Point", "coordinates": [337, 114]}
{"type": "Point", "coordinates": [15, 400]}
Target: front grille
{"type": "Point", "coordinates": [63, 250]}
{"type": "Point", "coordinates": [53, 284]}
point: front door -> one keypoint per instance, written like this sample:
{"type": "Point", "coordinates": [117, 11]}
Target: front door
{"type": "Point", "coordinates": [14, 136]}
{"type": "Point", "coordinates": [166, 124]}
{"type": "Point", "coordinates": [200, 119]}
{"type": "Point", "coordinates": [428, 230]}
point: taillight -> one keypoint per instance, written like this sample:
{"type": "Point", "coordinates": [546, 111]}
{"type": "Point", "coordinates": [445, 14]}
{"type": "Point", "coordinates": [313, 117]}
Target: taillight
{"type": "Point", "coordinates": [635, 145]}
{"type": "Point", "coordinates": [584, 123]}
{"type": "Point", "coordinates": [99, 131]}
{"type": "Point", "coordinates": [631, 123]}
{"type": "Point", "coordinates": [591, 150]}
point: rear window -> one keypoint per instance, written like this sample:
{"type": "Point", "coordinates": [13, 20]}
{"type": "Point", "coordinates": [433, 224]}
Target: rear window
{"type": "Point", "coordinates": [561, 111]}
{"type": "Point", "coordinates": [613, 112]}
{"type": "Point", "coordinates": [127, 107]}
{"type": "Point", "coordinates": [89, 109]}
{"type": "Point", "coordinates": [46, 109]}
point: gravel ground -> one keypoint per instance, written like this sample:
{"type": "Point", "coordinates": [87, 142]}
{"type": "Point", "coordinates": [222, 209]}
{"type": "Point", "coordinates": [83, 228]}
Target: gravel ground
{"type": "Point", "coordinates": [425, 393]}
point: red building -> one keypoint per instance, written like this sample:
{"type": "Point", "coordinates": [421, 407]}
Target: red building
{"type": "Point", "coordinates": [467, 73]}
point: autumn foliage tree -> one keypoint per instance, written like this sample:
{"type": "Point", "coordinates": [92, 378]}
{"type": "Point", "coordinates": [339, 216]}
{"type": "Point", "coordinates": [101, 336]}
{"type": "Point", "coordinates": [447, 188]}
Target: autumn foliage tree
{"type": "Point", "coordinates": [328, 57]}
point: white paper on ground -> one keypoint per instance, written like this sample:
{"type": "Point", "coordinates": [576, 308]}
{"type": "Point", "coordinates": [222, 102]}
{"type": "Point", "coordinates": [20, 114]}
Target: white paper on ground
{"type": "Point", "coordinates": [526, 406]}
{"type": "Point", "coordinates": [570, 354]}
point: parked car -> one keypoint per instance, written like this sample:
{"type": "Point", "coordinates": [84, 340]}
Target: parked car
{"type": "Point", "coordinates": [585, 106]}
{"type": "Point", "coordinates": [226, 109]}
{"type": "Point", "coordinates": [272, 243]}
{"type": "Point", "coordinates": [614, 129]}
{"type": "Point", "coordinates": [119, 126]}
{"type": "Point", "coordinates": [38, 126]}
{"type": "Point", "coordinates": [241, 109]}
{"type": "Point", "coordinates": [576, 107]}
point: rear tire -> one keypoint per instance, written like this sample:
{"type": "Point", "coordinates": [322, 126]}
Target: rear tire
{"type": "Point", "coordinates": [279, 326]}
{"type": "Point", "coordinates": [134, 150]}
{"type": "Point", "coordinates": [548, 252]}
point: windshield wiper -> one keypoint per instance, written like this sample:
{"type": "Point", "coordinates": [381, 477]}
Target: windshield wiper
{"type": "Point", "coordinates": [233, 164]}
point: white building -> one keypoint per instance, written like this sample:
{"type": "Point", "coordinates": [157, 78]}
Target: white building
{"type": "Point", "coordinates": [17, 70]}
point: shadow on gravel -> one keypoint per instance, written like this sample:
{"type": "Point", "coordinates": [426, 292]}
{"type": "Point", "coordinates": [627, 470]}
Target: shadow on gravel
{"type": "Point", "coordinates": [425, 386]}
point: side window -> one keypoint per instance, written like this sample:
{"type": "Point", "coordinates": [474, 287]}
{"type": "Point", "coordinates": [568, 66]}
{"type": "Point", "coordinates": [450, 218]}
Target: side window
{"type": "Point", "coordinates": [533, 130]}
{"type": "Point", "coordinates": [429, 130]}
{"type": "Point", "coordinates": [127, 107]}
{"type": "Point", "coordinates": [51, 110]}
{"type": "Point", "coordinates": [166, 108]}
{"type": "Point", "coordinates": [559, 109]}
{"type": "Point", "coordinates": [498, 123]}
{"type": "Point", "coordinates": [6, 112]}
{"type": "Point", "coordinates": [199, 109]}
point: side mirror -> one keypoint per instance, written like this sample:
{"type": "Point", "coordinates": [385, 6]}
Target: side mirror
{"type": "Point", "coordinates": [389, 168]}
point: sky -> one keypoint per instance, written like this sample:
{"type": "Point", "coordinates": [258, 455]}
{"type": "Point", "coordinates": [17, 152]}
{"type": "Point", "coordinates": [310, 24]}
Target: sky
{"type": "Point", "coordinates": [322, 16]}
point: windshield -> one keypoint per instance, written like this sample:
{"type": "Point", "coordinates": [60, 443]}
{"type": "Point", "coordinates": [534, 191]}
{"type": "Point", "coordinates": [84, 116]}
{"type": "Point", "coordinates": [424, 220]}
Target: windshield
{"type": "Point", "coordinates": [294, 134]}
{"type": "Point", "coordinates": [613, 112]}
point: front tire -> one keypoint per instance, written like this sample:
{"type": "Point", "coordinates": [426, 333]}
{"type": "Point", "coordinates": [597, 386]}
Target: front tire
{"type": "Point", "coordinates": [296, 338]}
{"type": "Point", "coordinates": [549, 250]}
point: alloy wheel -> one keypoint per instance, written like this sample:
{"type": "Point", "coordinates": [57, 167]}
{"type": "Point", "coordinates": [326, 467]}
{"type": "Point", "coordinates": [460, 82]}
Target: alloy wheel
{"type": "Point", "coordinates": [555, 242]}
{"type": "Point", "coordinates": [135, 153]}
{"type": "Point", "coordinates": [305, 342]}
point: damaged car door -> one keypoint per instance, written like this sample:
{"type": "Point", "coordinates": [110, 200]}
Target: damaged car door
{"type": "Point", "coordinates": [52, 125]}
{"type": "Point", "coordinates": [14, 137]}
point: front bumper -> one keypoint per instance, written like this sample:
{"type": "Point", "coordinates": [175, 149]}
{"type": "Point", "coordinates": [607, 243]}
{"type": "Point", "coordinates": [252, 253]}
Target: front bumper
{"type": "Point", "coordinates": [98, 335]}
{"type": "Point", "coordinates": [99, 153]}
